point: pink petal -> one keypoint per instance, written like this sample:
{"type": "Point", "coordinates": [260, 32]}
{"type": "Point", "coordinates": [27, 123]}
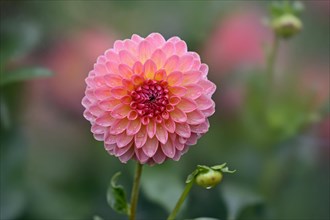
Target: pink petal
{"type": "Point", "coordinates": [126, 99]}
{"type": "Point", "coordinates": [195, 117]}
{"type": "Point", "coordinates": [118, 45]}
{"type": "Point", "coordinates": [156, 39]}
{"type": "Point", "coordinates": [112, 67]}
{"type": "Point", "coordinates": [174, 39]}
{"type": "Point", "coordinates": [159, 58]}
{"type": "Point", "coordinates": [191, 77]}
{"type": "Point", "coordinates": [201, 128]}
{"type": "Point", "coordinates": [178, 90]}
{"type": "Point", "coordinates": [100, 69]}
{"type": "Point", "coordinates": [119, 126]}
{"type": "Point", "coordinates": [138, 67]}
{"type": "Point", "coordinates": [95, 110]}
{"type": "Point", "coordinates": [109, 104]}
{"type": "Point", "coordinates": [141, 137]}
{"type": "Point", "coordinates": [193, 91]}
{"type": "Point", "coordinates": [183, 129]}
{"type": "Point", "coordinates": [105, 121]}
{"type": "Point", "coordinates": [145, 51]}
{"type": "Point", "coordinates": [97, 129]}
{"type": "Point", "coordinates": [204, 69]}
{"type": "Point", "coordinates": [102, 93]}
{"type": "Point", "coordinates": [112, 80]}
{"type": "Point", "coordinates": [137, 79]}
{"type": "Point", "coordinates": [204, 102]}
{"type": "Point", "coordinates": [110, 139]}
{"type": "Point", "coordinates": [210, 111]}
{"type": "Point", "coordinates": [178, 115]}
{"type": "Point", "coordinates": [127, 156]}
{"type": "Point", "coordinates": [111, 55]}
{"type": "Point", "coordinates": [175, 78]}
{"type": "Point", "coordinates": [168, 149]}
{"type": "Point", "coordinates": [136, 38]}
{"type": "Point", "coordinates": [149, 69]}
{"type": "Point", "coordinates": [171, 63]}
{"type": "Point", "coordinates": [119, 151]}
{"type": "Point", "coordinates": [141, 156]}
{"type": "Point", "coordinates": [131, 46]}
{"type": "Point", "coordinates": [99, 137]}
{"type": "Point", "coordinates": [125, 71]}
{"type": "Point", "coordinates": [160, 75]}
{"type": "Point", "coordinates": [151, 128]}
{"type": "Point", "coordinates": [123, 139]}
{"type": "Point", "coordinates": [133, 127]}
{"type": "Point", "coordinates": [120, 111]}
{"type": "Point", "coordinates": [101, 59]}
{"type": "Point", "coordinates": [161, 134]}
{"type": "Point", "coordinates": [159, 156]}
{"type": "Point", "coordinates": [128, 84]}
{"type": "Point", "coordinates": [169, 124]}
{"type": "Point", "coordinates": [118, 92]}
{"type": "Point", "coordinates": [174, 100]}
{"type": "Point", "coordinates": [127, 58]}
{"type": "Point", "coordinates": [177, 156]}
{"type": "Point", "coordinates": [86, 102]}
{"type": "Point", "coordinates": [168, 49]}
{"type": "Point", "coordinates": [150, 147]}
{"type": "Point", "coordinates": [193, 139]}
{"type": "Point", "coordinates": [187, 105]}
{"type": "Point", "coordinates": [208, 86]}
{"type": "Point", "coordinates": [180, 47]}
{"type": "Point", "coordinates": [132, 115]}
{"type": "Point", "coordinates": [185, 63]}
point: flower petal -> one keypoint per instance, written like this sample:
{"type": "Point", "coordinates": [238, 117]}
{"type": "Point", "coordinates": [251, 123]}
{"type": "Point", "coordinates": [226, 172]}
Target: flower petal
{"type": "Point", "coordinates": [125, 71]}
{"type": "Point", "coordinates": [171, 63]}
{"type": "Point", "coordinates": [187, 105]}
{"type": "Point", "coordinates": [123, 139]}
{"type": "Point", "coordinates": [109, 104]}
{"type": "Point", "coordinates": [119, 126]}
{"type": "Point", "coordinates": [151, 128]}
{"type": "Point", "coordinates": [178, 90]}
{"type": "Point", "coordinates": [178, 115]}
{"type": "Point", "coordinates": [133, 127]}
{"type": "Point", "coordinates": [160, 75]}
{"type": "Point", "coordinates": [191, 77]}
{"type": "Point", "coordinates": [168, 49]}
{"type": "Point", "coordinates": [118, 92]}
{"type": "Point", "coordinates": [105, 120]}
{"type": "Point", "coordinates": [150, 147]}
{"type": "Point", "coordinates": [127, 156]}
{"type": "Point", "coordinates": [175, 78]}
{"type": "Point", "coordinates": [161, 133]}
{"type": "Point", "coordinates": [145, 51]}
{"type": "Point", "coordinates": [185, 63]}
{"type": "Point", "coordinates": [201, 128]}
{"type": "Point", "coordinates": [113, 80]}
{"type": "Point", "coordinates": [141, 137]}
{"type": "Point", "coordinates": [204, 102]}
{"type": "Point", "coordinates": [159, 156]}
{"type": "Point", "coordinates": [120, 111]}
{"type": "Point", "coordinates": [183, 129]}
{"type": "Point", "coordinates": [168, 149]}
{"type": "Point", "coordinates": [169, 124]}
{"type": "Point", "coordinates": [149, 69]}
{"type": "Point", "coordinates": [159, 57]}
{"type": "Point", "coordinates": [127, 58]}
{"type": "Point", "coordinates": [195, 117]}
{"type": "Point", "coordinates": [138, 67]}
{"type": "Point", "coordinates": [193, 91]}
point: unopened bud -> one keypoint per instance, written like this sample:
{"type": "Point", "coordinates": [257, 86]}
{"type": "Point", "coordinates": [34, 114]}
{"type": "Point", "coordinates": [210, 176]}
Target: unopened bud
{"type": "Point", "coordinates": [209, 179]}
{"type": "Point", "coordinates": [287, 25]}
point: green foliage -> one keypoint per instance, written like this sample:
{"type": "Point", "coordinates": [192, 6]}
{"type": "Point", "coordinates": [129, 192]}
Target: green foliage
{"type": "Point", "coordinates": [161, 185]}
{"type": "Point", "coordinates": [238, 198]}
{"type": "Point", "coordinates": [204, 169]}
{"type": "Point", "coordinates": [116, 196]}
{"type": "Point", "coordinates": [23, 74]}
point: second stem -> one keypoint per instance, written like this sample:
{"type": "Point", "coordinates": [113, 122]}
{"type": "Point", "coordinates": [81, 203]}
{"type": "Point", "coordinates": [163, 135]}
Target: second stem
{"type": "Point", "coordinates": [135, 191]}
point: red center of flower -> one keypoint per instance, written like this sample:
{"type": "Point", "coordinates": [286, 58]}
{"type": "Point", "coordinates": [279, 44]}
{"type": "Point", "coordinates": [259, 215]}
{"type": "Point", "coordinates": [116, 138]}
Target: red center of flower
{"type": "Point", "coordinates": [150, 99]}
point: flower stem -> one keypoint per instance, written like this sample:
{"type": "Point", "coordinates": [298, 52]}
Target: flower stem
{"type": "Point", "coordinates": [271, 60]}
{"type": "Point", "coordinates": [135, 191]}
{"type": "Point", "coordinates": [180, 201]}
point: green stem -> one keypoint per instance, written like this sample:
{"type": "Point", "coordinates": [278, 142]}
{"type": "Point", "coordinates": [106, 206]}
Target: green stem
{"type": "Point", "coordinates": [271, 60]}
{"type": "Point", "coordinates": [135, 191]}
{"type": "Point", "coordinates": [180, 201]}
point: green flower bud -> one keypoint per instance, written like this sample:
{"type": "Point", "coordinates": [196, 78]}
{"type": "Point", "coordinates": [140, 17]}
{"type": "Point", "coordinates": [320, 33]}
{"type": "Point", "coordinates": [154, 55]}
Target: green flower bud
{"type": "Point", "coordinates": [287, 25]}
{"type": "Point", "coordinates": [209, 179]}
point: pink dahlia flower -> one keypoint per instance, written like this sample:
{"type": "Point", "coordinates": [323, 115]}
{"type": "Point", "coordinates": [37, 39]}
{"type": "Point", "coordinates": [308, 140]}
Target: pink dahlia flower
{"type": "Point", "coordinates": [148, 99]}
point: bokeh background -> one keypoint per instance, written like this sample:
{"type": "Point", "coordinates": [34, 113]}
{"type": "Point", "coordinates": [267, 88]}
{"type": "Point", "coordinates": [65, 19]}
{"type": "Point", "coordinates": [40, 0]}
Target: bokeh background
{"type": "Point", "coordinates": [53, 169]}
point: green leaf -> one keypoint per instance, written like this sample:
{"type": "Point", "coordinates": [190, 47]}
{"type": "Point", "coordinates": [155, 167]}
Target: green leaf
{"type": "Point", "coordinates": [238, 198]}
{"type": "Point", "coordinates": [96, 217]}
{"type": "Point", "coordinates": [226, 170]}
{"type": "Point", "coordinates": [162, 186]}
{"type": "Point", "coordinates": [219, 167]}
{"type": "Point", "coordinates": [116, 196]}
{"type": "Point", "coordinates": [204, 218]}
{"type": "Point", "coordinates": [23, 74]}
{"type": "Point", "coordinates": [191, 176]}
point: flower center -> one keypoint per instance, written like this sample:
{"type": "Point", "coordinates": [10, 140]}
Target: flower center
{"type": "Point", "coordinates": [150, 98]}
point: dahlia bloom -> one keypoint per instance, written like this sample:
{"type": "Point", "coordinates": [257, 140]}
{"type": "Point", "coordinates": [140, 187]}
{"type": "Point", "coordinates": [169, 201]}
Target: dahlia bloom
{"type": "Point", "coordinates": [148, 99]}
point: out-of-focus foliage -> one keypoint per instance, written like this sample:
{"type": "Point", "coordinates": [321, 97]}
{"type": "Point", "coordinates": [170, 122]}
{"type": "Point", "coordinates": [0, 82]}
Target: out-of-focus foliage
{"type": "Point", "coordinates": [277, 138]}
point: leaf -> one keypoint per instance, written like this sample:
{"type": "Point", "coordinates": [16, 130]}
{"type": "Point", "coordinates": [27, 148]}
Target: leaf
{"type": "Point", "coordinates": [237, 198]}
{"type": "Point", "coordinates": [219, 167]}
{"type": "Point", "coordinates": [161, 185]}
{"type": "Point", "coordinates": [116, 196]}
{"type": "Point", "coordinates": [204, 218]}
{"type": "Point", "coordinates": [191, 176]}
{"type": "Point", "coordinates": [226, 170]}
{"type": "Point", "coordinates": [96, 217]}
{"type": "Point", "coordinates": [23, 74]}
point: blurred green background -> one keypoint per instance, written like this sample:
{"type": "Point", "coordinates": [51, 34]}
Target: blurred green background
{"type": "Point", "coordinates": [53, 169]}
